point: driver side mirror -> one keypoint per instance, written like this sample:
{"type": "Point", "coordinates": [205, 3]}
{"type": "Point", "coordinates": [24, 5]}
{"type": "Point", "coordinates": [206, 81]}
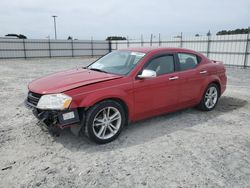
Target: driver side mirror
{"type": "Point", "coordinates": [147, 74]}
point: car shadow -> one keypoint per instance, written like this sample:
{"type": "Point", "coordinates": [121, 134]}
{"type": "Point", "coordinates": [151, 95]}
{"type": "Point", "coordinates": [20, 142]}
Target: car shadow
{"type": "Point", "coordinates": [153, 128]}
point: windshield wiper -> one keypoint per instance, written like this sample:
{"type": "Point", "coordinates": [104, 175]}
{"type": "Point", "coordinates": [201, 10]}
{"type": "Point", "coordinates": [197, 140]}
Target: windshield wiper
{"type": "Point", "coordinates": [95, 69]}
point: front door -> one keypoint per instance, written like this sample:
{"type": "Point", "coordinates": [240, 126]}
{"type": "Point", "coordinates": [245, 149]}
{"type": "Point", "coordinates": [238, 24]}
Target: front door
{"type": "Point", "coordinates": [157, 95]}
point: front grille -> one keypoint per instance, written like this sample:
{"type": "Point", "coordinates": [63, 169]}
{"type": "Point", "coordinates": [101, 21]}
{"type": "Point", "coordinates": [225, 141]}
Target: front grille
{"type": "Point", "coordinates": [33, 98]}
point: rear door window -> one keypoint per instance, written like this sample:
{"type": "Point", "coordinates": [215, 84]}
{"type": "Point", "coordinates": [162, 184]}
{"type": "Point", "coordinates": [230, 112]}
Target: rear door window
{"type": "Point", "coordinates": [187, 61]}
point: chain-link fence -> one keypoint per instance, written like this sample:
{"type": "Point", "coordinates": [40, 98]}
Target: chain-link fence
{"type": "Point", "coordinates": [231, 49]}
{"type": "Point", "coordinates": [27, 48]}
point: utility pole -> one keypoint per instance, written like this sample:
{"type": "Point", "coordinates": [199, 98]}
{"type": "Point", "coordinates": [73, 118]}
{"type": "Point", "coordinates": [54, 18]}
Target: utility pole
{"type": "Point", "coordinates": [54, 17]}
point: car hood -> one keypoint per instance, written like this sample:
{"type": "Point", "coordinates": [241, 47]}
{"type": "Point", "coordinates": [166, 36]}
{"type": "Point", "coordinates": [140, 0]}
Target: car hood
{"type": "Point", "coordinates": [67, 80]}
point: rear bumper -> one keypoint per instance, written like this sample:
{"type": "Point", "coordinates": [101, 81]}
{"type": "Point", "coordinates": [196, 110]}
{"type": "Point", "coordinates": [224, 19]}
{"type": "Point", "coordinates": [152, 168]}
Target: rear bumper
{"type": "Point", "coordinates": [223, 89]}
{"type": "Point", "coordinates": [223, 84]}
{"type": "Point", "coordinates": [52, 118]}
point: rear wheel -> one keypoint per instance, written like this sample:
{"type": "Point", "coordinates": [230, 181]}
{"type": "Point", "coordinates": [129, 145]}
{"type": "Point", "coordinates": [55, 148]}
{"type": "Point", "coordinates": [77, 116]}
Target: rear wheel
{"type": "Point", "coordinates": [104, 121]}
{"type": "Point", "coordinates": [210, 98]}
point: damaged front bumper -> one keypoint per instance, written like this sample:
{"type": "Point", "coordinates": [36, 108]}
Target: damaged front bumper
{"type": "Point", "coordinates": [55, 118]}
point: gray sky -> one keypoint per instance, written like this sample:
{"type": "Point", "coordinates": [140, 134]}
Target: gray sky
{"type": "Point", "coordinates": [101, 18]}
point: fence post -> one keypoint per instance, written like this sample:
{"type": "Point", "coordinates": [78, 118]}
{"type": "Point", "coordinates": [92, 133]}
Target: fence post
{"type": "Point", "coordinates": [24, 49]}
{"type": "Point", "coordinates": [72, 48]}
{"type": "Point", "coordinates": [110, 46]}
{"type": "Point", "coordinates": [246, 51]}
{"type": "Point", "coordinates": [127, 42]}
{"type": "Point", "coordinates": [141, 40]}
{"type": "Point", "coordinates": [208, 45]}
{"type": "Point", "coordinates": [159, 39]}
{"type": "Point", "coordinates": [92, 47]}
{"type": "Point", "coordinates": [49, 48]}
{"type": "Point", "coordinates": [116, 45]}
{"type": "Point", "coordinates": [181, 41]}
{"type": "Point", "coordinates": [151, 39]}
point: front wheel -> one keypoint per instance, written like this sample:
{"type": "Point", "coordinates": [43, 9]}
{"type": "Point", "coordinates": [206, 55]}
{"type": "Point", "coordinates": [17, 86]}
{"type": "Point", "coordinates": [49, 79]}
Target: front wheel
{"type": "Point", "coordinates": [104, 121]}
{"type": "Point", "coordinates": [210, 98]}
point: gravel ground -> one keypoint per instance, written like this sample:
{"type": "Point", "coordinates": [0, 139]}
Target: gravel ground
{"type": "Point", "coordinates": [188, 148]}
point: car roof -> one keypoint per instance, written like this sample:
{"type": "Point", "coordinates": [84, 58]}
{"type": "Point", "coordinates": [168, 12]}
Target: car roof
{"type": "Point", "coordinates": [157, 49]}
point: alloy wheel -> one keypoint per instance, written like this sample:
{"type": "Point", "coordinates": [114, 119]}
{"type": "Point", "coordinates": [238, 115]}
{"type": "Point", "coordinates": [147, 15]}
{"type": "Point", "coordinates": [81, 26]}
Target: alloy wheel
{"type": "Point", "coordinates": [107, 123]}
{"type": "Point", "coordinates": [211, 97]}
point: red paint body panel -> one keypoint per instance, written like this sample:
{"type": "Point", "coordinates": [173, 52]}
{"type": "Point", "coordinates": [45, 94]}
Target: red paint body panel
{"type": "Point", "coordinates": [66, 80]}
{"type": "Point", "coordinates": [143, 97]}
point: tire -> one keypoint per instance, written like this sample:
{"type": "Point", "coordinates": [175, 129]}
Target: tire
{"type": "Point", "coordinates": [102, 119]}
{"type": "Point", "coordinates": [210, 98]}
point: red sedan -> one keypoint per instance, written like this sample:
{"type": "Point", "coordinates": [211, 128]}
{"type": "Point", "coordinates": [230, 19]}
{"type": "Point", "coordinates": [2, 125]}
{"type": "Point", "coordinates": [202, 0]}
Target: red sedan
{"type": "Point", "coordinates": [124, 86]}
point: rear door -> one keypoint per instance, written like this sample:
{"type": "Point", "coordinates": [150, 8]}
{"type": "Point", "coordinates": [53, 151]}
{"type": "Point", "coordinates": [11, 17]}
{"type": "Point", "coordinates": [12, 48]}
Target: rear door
{"type": "Point", "coordinates": [191, 76]}
{"type": "Point", "coordinates": [156, 95]}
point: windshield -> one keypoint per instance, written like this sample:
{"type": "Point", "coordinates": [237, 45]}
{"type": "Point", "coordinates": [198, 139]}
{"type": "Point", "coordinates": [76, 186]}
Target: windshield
{"type": "Point", "coordinates": [117, 62]}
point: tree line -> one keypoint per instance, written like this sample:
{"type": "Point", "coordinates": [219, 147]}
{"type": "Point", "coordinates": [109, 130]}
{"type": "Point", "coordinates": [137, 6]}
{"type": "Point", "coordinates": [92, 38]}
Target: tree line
{"type": "Point", "coordinates": [222, 32]}
{"type": "Point", "coordinates": [233, 32]}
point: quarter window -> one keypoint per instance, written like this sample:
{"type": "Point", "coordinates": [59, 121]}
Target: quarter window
{"type": "Point", "coordinates": [162, 65]}
{"type": "Point", "coordinates": [187, 61]}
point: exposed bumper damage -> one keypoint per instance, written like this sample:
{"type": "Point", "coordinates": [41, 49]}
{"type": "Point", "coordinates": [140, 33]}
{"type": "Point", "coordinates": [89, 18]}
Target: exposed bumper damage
{"type": "Point", "coordinates": [55, 120]}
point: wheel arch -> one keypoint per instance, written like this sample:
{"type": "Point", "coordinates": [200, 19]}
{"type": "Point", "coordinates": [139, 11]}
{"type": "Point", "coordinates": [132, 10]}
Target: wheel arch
{"type": "Point", "coordinates": [91, 101]}
{"type": "Point", "coordinates": [121, 102]}
{"type": "Point", "coordinates": [205, 86]}
{"type": "Point", "coordinates": [216, 82]}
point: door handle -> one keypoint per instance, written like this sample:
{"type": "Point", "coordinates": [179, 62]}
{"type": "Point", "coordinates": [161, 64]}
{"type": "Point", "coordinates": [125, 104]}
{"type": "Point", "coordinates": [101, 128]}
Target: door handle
{"type": "Point", "coordinates": [174, 78]}
{"type": "Point", "coordinates": [203, 72]}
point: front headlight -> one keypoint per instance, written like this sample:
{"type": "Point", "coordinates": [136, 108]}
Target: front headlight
{"type": "Point", "coordinates": [54, 102]}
